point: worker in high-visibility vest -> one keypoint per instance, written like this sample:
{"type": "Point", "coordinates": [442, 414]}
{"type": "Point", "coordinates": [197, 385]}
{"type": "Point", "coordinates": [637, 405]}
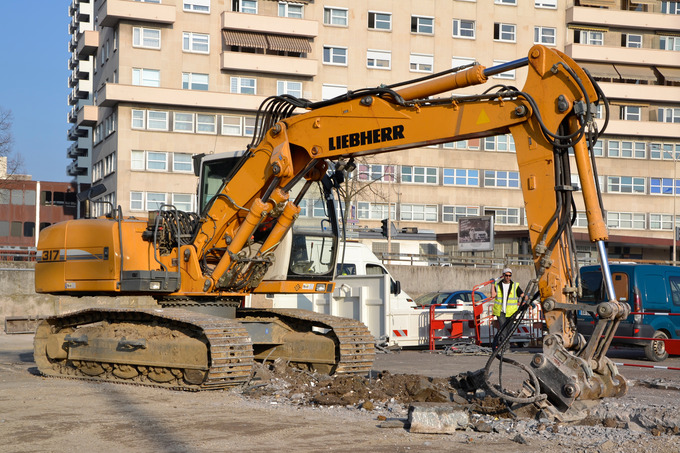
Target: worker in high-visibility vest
{"type": "Point", "coordinates": [507, 295]}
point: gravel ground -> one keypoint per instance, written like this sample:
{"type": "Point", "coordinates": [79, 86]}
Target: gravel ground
{"type": "Point", "coordinates": [288, 409]}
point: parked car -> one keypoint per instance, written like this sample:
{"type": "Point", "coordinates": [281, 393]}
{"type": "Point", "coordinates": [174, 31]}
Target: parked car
{"type": "Point", "coordinates": [647, 288]}
{"type": "Point", "coordinates": [449, 299]}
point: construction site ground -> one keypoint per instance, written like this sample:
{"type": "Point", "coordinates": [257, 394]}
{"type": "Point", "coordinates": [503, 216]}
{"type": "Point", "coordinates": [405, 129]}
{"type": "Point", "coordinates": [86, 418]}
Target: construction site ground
{"type": "Point", "coordinates": [282, 409]}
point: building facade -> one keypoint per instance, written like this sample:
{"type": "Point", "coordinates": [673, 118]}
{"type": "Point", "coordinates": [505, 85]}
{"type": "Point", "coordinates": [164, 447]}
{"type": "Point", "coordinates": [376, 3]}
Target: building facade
{"type": "Point", "coordinates": [174, 78]}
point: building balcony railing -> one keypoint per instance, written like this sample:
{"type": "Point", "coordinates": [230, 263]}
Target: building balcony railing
{"type": "Point", "coordinates": [273, 64]}
{"type": "Point", "coordinates": [622, 19]}
{"type": "Point", "coordinates": [111, 94]}
{"type": "Point", "coordinates": [87, 116]}
{"type": "Point", "coordinates": [112, 11]}
{"type": "Point", "coordinates": [74, 151]}
{"type": "Point", "coordinates": [640, 93]}
{"type": "Point", "coordinates": [73, 61]}
{"type": "Point", "coordinates": [75, 133]}
{"type": "Point", "coordinates": [626, 55]}
{"type": "Point", "coordinates": [74, 169]}
{"type": "Point", "coordinates": [653, 129]}
{"type": "Point", "coordinates": [88, 42]}
{"type": "Point", "coordinates": [269, 24]}
{"type": "Point", "coordinates": [72, 115]}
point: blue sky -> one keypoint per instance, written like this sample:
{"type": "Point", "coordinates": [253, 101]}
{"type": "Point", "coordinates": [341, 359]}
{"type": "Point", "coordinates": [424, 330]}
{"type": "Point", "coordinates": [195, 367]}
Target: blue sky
{"type": "Point", "coordinates": [34, 83]}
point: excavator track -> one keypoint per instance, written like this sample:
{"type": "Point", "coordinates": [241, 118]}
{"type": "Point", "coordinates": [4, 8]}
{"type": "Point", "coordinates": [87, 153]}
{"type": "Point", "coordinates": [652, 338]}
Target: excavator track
{"type": "Point", "coordinates": [355, 349]}
{"type": "Point", "coordinates": [226, 360]}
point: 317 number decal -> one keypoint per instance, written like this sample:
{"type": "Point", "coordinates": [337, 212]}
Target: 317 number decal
{"type": "Point", "coordinates": [50, 255]}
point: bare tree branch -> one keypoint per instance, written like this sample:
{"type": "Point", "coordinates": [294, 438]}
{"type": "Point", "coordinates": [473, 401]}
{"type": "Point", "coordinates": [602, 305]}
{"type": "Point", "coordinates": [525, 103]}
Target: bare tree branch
{"type": "Point", "coordinates": [14, 162]}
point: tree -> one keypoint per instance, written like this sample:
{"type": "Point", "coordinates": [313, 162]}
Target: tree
{"type": "Point", "coordinates": [13, 161]}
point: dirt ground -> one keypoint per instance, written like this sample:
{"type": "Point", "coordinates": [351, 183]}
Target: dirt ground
{"type": "Point", "coordinates": [292, 410]}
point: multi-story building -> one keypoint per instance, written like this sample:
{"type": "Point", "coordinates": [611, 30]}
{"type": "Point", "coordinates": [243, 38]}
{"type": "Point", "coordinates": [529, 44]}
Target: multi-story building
{"type": "Point", "coordinates": [173, 78]}
{"type": "Point", "coordinates": [82, 114]}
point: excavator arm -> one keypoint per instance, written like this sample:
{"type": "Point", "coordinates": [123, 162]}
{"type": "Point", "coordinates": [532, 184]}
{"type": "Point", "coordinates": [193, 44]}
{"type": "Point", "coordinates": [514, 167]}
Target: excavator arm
{"type": "Point", "coordinates": [551, 115]}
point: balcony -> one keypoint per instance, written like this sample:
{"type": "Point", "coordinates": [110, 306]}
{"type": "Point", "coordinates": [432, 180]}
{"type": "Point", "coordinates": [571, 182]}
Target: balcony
{"type": "Point", "coordinates": [87, 116]}
{"type": "Point", "coordinates": [272, 64]}
{"type": "Point", "coordinates": [622, 19]}
{"type": "Point", "coordinates": [74, 169]}
{"type": "Point", "coordinates": [640, 93]}
{"type": "Point", "coordinates": [113, 11]}
{"type": "Point", "coordinates": [268, 24]}
{"type": "Point", "coordinates": [112, 93]}
{"type": "Point", "coordinates": [625, 55]}
{"type": "Point", "coordinates": [654, 129]}
{"type": "Point", "coordinates": [73, 61]}
{"type": "Point", "coordinates": [73, 26]}
{"type": "Point", "coordinates": [88, 42]}
{"type": "Point", "coordinates": [74, 151]}
{"type": "Point", "coordinates": [73, 79]}
{"type": "Point", "coordinates": [72, 115]}
{"type": "Point", "coordinates": [75, 133]}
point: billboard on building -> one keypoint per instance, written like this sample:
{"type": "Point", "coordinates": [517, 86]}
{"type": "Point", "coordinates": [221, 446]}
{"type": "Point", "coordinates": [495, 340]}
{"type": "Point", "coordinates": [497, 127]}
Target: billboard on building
{"type": "Point", "coordinates": [475, 234]}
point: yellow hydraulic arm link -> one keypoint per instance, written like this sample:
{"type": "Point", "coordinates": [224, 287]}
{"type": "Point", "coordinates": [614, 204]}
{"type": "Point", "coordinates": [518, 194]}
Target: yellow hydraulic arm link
{"type": "Point", "coordinates": [552, 108]}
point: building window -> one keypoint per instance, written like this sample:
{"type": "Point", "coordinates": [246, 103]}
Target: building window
{"type": "Point", "coordinates": [669, 115]}
{"type": "Point", "coordinates": [194, 81]}
{"type": "Point", "coordinates": [136, 201]}
{"type": "Point", "coordinates": [662, 221]}
{"type": "Point", "coordinates": [379, 59]}
{"type": "Point", "coordinates": [138, 119]}
{"type": "Point", "coordinates": [245, 6]}
{"type": "Point", "coordinates": [376, 211]}
{"type": "Point", "coordinates": [501, 178]}
{"type": "Point", "coordinates": [545, 35]}
{"type": "Point", "coordinates": [232, 125]}
{"type": "Point", "coordinates": [418, 212]}
{"type": "Point", "coordinates": [421, 63]}
{"type": "Point", "coordinates": [665, 151]}
{"type": "Point", "coordinates": [631, 112]}
{"type": "Point", "coordinates": [149, 38]}
{"type": "Point", "coordinates": [156, 161]}
{"type": "Point", "coordinates": [503, 216]}
{"type": "Point", "coordinates": [669, 43]}
{"type": "Point", "coordinates": [627, 220]}
{"type": "Point", "coordinates": [672, 7]}
{"type": "Point", "coordinates": [249, 126]}
{"type": "Point", "coordinates": [630, 40]}
{"type": "Point", "coordinates": [146, 77]}
{"type": "Point", "coordinates": [243, 85]}
{"type": "Point", "coordinates": [206, 124]}
{"type": "Point", "coordinates": [506, 2]}
{"type": "Point", "coordinates": [420, 24]}
{"type": "Point", "coordinates": [137, 160]}
{"type": "Point", "coordinates": [463, 29]}
{"type": "Point", "coordinates": [335, 55]}
{"type": "Point", "coordinates": [154, 201]}
{"type": "Point", "coordinates": [110, 164]}
{"type": "Point", "coordinates": [182, 163]}
{"type": "Point", "coordinates": [461, 177]}
{"type": "Point", "coordinates": [157, 121]}
{"type": "Point", "coordinates": [419, 175]}
{"type": "Point", "coordinates": [550, 4]}
{"type": "Point", "coordinates": [335, 16]}
{"type": "Point", "coordinates": [663, 186]}
{"type": "Point", "coordinates": [332, 91]}
{"type": "Point", "coordinates": [183, 202]}
{"type": "Point", "coordinates": [504, 75]}
{"type": "Point", "coordinates": [379, 21]}
{"type": "Point", "coordinates": [197, 6]}
{"type": "Point", "coordinates": [598, 148]}
{"type": "Point", "coordinates": [500, 143]}
{"type": "Point", "coordinates": [292, 10]}
{"type": "Point", "coordinates": [504, 32]}
{"type": "Point", "coordinates": [375, 172]}
{"type": "Point", "coordinates": [289, 87]}
{"type": "Point", "coordinates": [452, 214]}
{"type": "Point", "coordinates": [589, 37]}
{"type": "Point", "coordinates": [625, 184]}
{"type": "Point", "coordinates": [183, 122]}
{"type": "Point", "coordinates": [195, 42]}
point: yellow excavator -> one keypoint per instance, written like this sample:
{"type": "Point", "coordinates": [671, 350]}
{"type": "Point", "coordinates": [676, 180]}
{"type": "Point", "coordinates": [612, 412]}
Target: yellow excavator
{"type": "Point", "coordinates": [250, 237]}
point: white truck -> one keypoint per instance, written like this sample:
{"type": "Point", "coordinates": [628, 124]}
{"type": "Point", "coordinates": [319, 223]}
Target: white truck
{"type": "Point", "coordinates": [366, 291]}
